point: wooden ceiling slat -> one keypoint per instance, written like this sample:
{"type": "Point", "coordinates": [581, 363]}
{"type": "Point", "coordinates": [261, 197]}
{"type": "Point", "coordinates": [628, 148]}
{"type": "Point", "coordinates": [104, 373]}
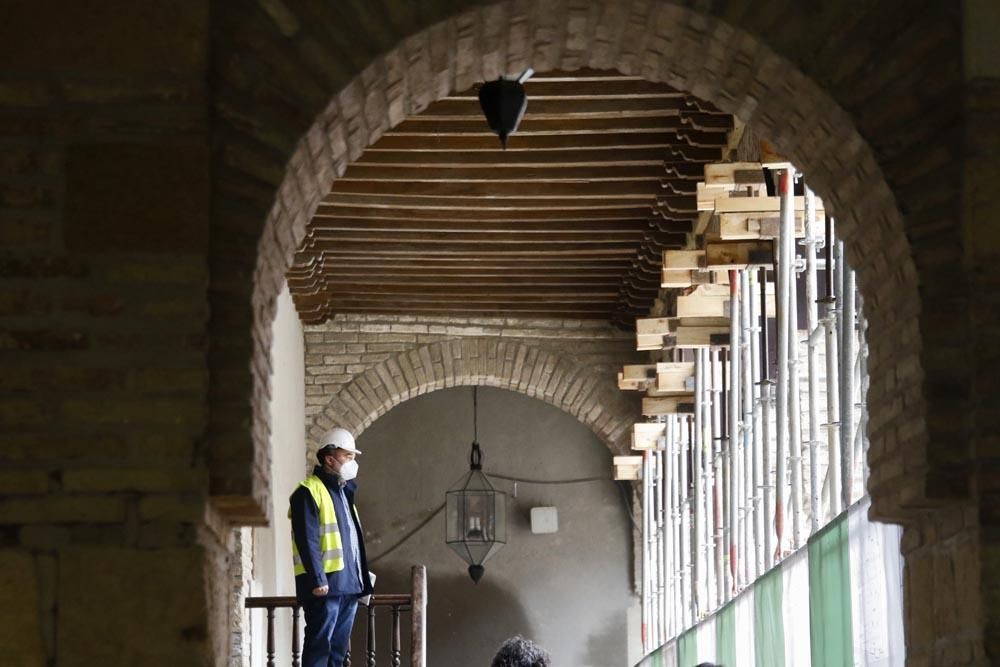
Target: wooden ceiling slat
{"type": "Point", "coordinates": [400, 301]}
{"type": "Point", "coordinates": [595, 157]}
{"type": "Point", "coordinates": [589, 190]}
{"type": "Point", "coordinates": [331, 214]}
{"type": "Point", "coordinates": [482, 205]}
{"type": "Point", "coordinates": [537, 88]}
{"type": "Point", "coordinates": [319, 316]}
{"type": "Point", "coordinates": [456, 107]}
{"type": "Point", "coordinates": [687, 127]}
{"type": "Point", "coordinates": [419, 238]}
{"type": "Point", "coordinates": [521, 142]}
{"type": "Point", "coordinates": [501, 174]}
{"type": "Point", "coordinates": [331, 227]}
{"type": "Point", "coordinates": [390, 246]}
{"type": "Point", "coordinates": [474, 292]}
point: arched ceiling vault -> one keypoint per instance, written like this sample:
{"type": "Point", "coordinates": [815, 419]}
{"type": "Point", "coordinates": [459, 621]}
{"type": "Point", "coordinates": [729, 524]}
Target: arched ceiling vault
{"type": "Point", "coordinates": [568, 221]}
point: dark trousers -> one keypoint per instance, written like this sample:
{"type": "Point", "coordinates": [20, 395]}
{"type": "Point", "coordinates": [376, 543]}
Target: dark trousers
{"type": "Point", "coordinates": [328, 629]}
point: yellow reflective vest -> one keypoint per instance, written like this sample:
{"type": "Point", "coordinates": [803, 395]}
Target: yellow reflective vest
{"type": "Point", "coordinates": [330, 548]}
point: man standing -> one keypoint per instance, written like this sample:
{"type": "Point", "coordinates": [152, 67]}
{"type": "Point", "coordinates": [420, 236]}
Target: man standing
{"type": "Point", "coordinates": [328, 550]}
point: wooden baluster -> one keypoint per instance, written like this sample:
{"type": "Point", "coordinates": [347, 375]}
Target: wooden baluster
{"type": "Point", "coordinates": [395, 635]}
{"type": "Point", "coordinates": [347, 656]}
{"type": "Point", "coordinates": [371, 635]}
{"type": "Point", "coordinates": [270, 637]}
{"type": "Point", "coordinates": [295, 637]}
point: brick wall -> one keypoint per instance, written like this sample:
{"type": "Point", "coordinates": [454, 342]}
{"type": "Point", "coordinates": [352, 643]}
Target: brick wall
{"type": "Point", "coordinates": [103, 341]}
{"type": "Point", "coordinates": [360, 366]}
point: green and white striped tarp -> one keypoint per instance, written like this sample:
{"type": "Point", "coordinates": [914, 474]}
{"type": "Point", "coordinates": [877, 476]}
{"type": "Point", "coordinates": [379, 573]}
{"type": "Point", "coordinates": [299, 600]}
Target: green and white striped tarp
{"type": "Point", "coordinates": [836, 603]}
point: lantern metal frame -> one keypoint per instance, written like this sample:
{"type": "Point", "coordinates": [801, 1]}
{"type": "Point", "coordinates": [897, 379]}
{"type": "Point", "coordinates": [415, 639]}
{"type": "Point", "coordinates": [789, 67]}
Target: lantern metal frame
{"type": "Point", "coordinates": [476, 512]}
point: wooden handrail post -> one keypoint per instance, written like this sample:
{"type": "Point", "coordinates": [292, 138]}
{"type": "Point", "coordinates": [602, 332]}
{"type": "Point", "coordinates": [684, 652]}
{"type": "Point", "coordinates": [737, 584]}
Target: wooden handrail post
{"type": "Point", "coordinates": [418, 617]}
{"type": "Point", "coordinates": [371, 636]}
{"type": "Point", "coordinates": [394, 649]}
{"type": "Point", "coordinates": [295, 637]}
{"type": "Point", "coordinates": [270, 637]}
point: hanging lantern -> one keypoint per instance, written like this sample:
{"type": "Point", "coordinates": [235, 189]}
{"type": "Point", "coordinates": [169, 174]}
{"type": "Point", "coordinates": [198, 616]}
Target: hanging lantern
{"type": "Point", "coordinates": [503, 102]}
{"type": "Point", "coordinates": [476, 514]}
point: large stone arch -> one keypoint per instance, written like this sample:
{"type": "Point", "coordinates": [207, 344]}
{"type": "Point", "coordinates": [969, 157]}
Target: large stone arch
{"type": "Point", "coordinates": [693, 50]}
{"type": "Point", "coordinates": [873, 149]}
{"type": "Point", "coordinates": [546, 375]}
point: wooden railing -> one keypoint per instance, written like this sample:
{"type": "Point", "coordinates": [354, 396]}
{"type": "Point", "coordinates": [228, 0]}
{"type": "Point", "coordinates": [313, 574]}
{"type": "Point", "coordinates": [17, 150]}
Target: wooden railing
{"type": "Point", "coordinates": [414, 602]}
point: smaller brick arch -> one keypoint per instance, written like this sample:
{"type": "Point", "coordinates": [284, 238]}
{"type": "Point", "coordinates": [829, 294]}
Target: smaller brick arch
{"type": "Point", "coordinates": [573, 387]}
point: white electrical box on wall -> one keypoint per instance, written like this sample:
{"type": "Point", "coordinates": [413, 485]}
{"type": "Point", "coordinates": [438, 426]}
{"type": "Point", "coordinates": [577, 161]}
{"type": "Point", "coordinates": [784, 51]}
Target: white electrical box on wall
{"type": "Point", "coordinates": [544, 520]}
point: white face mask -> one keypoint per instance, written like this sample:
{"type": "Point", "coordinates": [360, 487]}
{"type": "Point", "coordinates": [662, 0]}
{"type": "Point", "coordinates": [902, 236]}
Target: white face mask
{"type": "Point", "coordinates": [348, 470]}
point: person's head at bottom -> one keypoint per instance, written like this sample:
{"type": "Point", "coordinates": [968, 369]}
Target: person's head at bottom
{"type": "Point", "coordinates": [520, 652]}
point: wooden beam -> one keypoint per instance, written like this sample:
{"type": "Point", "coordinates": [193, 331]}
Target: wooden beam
{"type": "Point", "coordinates": [738, 254]}
{"type": "Point", "coordinates": [648, 435]}
{"type": "Point", "coordinates": [594, 157]}
{"type": "Point", "coordinates": [424, 292]}
{"type": "Point", "coordinates": [676, 377]}
{"type": "Point", "coordinates": [328, 214]}
{"type": "Point", "coordinates": [582, 188]}
{"type": "Point", "coordinates": [667, 405]}
{"type": "Point", "coordinates": [560, 108]}
{"type": "Point", "coordinates": [637, 377]}
{"type": "Point", "coordinates": [307, 259]}
{"type": "Point", "coordinates": [543, 207]}
{"type": "Point", "coordinates": [377, 237]}
{"type": "Point", "coordinates": [683, 125]}
{"type": "Point", "coordinates": [320, 316]}
{"type": "Point", "coordinates": [492, 174]}
{"type": "Point", "coordinates": [528, 141]}
{"type": "Point", "coordinates": [606, 227]}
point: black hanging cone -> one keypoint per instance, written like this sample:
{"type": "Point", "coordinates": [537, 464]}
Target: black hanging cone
{"type": "Point", "coordinates": [476, 572]}
{"type": "Point", "coordinates": [503, 102]}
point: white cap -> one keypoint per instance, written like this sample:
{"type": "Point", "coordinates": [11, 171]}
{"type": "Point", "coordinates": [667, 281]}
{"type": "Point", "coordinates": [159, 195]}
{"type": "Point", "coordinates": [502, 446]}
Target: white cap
{"type": "Point", "coordinates": [340, 438]}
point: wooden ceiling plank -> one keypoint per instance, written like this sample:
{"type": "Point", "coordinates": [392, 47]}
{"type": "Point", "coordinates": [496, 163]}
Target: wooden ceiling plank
{"type": "Point", "coordinates": [585, 190]}
{"type": "Point", "coordinates": [681, 125]}
{"type": "Point", "coordinates": [376, 236]}
{"type": "Point", "coordinates": [499, 173]}
{"type": "Point", "coordinates": [521, 142]}
{"type": "Point", "coordinates": [457, 107]}
{"type": "Point", "coordinates": [328, 215]}
{"type": "Point", "coordinates": [596, 157]}
{"type": "Point", "coordinates": [481, 205]}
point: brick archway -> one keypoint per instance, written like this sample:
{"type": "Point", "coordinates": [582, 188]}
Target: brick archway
{"type": "Point", "coordinates": [874, 162]}
{"type": "Point", "coordinates": [738, 73]}
{"type": "Point", "coordinates": [549, 376]}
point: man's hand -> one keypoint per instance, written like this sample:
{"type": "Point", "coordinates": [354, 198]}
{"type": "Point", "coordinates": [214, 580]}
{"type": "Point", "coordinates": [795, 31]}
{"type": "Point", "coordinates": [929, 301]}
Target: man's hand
{"type": "Point", "coordinates": [320, 591]}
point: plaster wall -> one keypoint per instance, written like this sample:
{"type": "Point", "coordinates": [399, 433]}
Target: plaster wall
{"type": "Point", "coordinates": [272, 557]}
{"type": "Point", "coordinates": [569, 591]}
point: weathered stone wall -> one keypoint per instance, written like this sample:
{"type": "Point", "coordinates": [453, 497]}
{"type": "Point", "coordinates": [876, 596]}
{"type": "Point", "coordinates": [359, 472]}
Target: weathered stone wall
{"type": "Point", "coordinates": [359, 366]}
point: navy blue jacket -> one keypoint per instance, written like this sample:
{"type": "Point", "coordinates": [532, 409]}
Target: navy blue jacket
{"type": "Point", "coordinates": [305, 532]}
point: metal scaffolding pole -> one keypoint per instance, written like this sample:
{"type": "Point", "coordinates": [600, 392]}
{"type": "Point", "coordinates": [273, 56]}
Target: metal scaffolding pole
{"type": "Point", "coordinates": [661, 574]}
{"type": "Point", "coordinates": [749, 536]}
{"type": "Point", "coordinates": [646, 518]}
{"type": "Point", "coordinates": [716, 483]}
{"type": "Point", "coordinates": [863, 382]}
{"type": "Point", "coordinates": [847, 381]}
{"type": "Point", "coordinates": [784, 277]}
{"type": "Point", "coordinates": [767, 510]}
{"type": "Point", "coordinates": [794, 399]}
{"type": "Point", "coordinates": [832, 325]}
{"type": "Point", "coordinates": [736, 472]}
{"type": "Point", "coordinates": [699, 575]}
{"type": "Point", "coordinates": [686, 509]}
{"type": "Point", "coordinates": [673, 521]}
{"type": "Point", "coordinates": [812, 364]}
